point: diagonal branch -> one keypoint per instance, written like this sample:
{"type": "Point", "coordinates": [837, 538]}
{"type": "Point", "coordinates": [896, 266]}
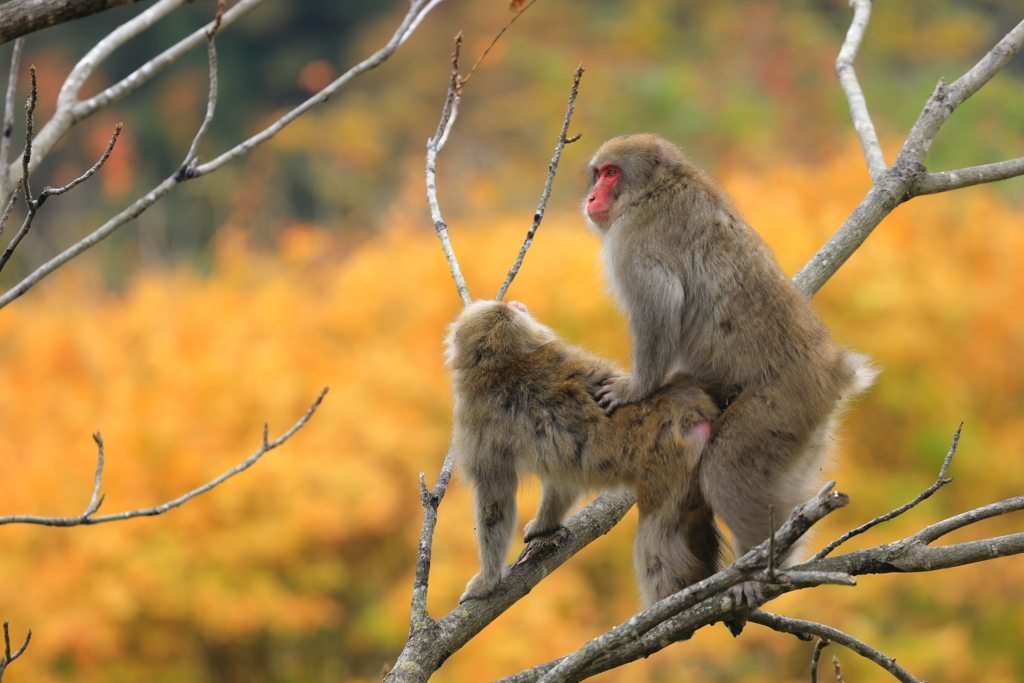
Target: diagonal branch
{"type": "Point", "coordinates": [552, 169]}
{"type": "Point", "coordinates": [87, 517]}
{"type": "Point", "coordinates": [939, 483]}
{"type": "Point", "coordinates": [895, 185]}
{"type": "Point", "coordinates": [417, 11]}
{"type": "Point", "coordinates": [851, 88]}
{"type": "Point", "coordinates": [21, 17]}
{"type": "Point", "coordinates": [787, 625]}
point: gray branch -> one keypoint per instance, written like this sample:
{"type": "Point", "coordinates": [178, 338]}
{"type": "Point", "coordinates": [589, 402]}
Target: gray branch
{"type": "Point", "coordinates": [417, 11]}
{"type": "Point", "coordinates": [939, 483]}
{"type": "Point", "coordinates": [552, 169]}
{"type": "Point", "coordinates": [816, 655]}
{"type": "Point", "coordinates": [933, 183]}
{"type": "Point", "coordinates": [87, 517]}
{"type": "Point", "coordinates": [449, 112]}
{"type": "Point", "coordinates": [8, 122]}
{"type": "Point", "coordinates": [21, 17]}
{"type": "Point", "coordinates": [897, 184]}
{"type": "Point", "coordinates": [431, 641]}
{"type": "Point", "coordinates": [851, 88]}
{"type": "Point", "coordinates": [788, 625]}
{"type": "Point", "coordinates": [7, 656]}
{"type": "Point", "coordinates": [430, 501]}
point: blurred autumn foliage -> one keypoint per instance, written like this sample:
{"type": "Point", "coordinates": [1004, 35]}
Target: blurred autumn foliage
{"type": "Point", "coordinates": [324, 270]}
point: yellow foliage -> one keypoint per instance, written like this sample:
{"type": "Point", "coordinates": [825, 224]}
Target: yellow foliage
{"type": "Point", "coordinates": [181, 370]}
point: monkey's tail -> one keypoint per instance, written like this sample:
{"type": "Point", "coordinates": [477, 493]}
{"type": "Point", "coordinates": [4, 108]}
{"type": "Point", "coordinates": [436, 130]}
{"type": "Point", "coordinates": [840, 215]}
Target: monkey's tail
{"type": "Point", "coordinates": [677, 541]}
{"type": "Point", "coordinates": [862, 371]}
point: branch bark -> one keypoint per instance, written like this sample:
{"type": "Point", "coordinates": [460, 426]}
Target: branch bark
{"type": "Point", "coordinates": [22, 17]}
{"type": "Point", "coordinates": [88, 517]}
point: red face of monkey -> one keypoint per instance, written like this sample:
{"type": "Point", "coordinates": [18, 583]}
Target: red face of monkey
{"type": "Point", "coordinates": [606, 177]}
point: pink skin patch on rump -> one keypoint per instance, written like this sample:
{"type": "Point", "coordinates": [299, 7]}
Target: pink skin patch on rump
{"type": "Point", "coordinates": [518, 306]}
{"type": "Point", "coordinates": [599, 202]}
{"type": "Point", "coordinates": [701, 430]}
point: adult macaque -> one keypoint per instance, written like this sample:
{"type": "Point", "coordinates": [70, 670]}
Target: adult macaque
{"type": "Point", "coordinates": [705, 296]}
{"type": "Point", "coordinates": [523, 404]}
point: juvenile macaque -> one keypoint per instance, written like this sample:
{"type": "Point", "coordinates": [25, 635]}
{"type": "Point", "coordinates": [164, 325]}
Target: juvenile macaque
{"type": "Point", "coordinates": [523, 404]}
{"type": "Point", "coordinates": [705, 296]}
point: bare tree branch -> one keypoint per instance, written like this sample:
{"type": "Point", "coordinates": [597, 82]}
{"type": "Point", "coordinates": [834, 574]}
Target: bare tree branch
{"type": "Point", "coordinates": [63, 117]}
{"type": "Point", "coordinates": [895, 185]}
{"type": "Point", "coordinates": [21, 17]}
{"type": "Point", "coordinates": [8, 657]}
{"type": "Point", "coordinates": [939, 483]}
{"type": "Point", "coordinates": [933, 183]}
{"type": "Point", "coordinates": [431, 641]}
{"type": "Point", "coordinates": [10, 206]}
{"type": "Point", "coordinates": [87, 518]}
{"type": "Point", "coordinates": [816, 656]}
{"type": "Point", "coordinates": [851, 88]}
{"type": "Point", "coordinates": [8, 122]}
{"type": "Point", "coordinates": [430, 501]}
{"type": "Point", "coordinates": [788, 625]}
{"type": "Point", "coordinates": [913, 554]}
{"type": "Point", "coordinates": [34, 204]}
{"type": "Point", "coordinates": [449, 112]}
{"type": "Point", "coordinates": [417, 11]}
{"type": "Point", "coordinates": [552, 169]}
{"type": "Point", "coordinates": [187, 167]}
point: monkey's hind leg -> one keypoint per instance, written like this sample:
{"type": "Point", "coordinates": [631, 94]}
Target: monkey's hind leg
{"type": "Point", "coordinates": [555, 502]}
{"type": "Point", "coordinates": [677, 543]}
{"type": "Point", "coordinates": [496, 518]}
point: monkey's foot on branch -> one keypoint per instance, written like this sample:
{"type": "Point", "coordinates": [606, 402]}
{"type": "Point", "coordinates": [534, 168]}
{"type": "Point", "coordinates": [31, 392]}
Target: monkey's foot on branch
{"type": "Point", "coordinates": [747, 597]}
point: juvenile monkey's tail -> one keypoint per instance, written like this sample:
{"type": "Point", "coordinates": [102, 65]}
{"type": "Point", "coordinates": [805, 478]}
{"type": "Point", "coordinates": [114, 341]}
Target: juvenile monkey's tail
{"type": "Point", "coordinates": [677, 541]}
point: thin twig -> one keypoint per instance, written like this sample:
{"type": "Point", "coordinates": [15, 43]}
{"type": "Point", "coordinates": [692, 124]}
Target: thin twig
{"type": "Point", "coordinates": [816, 656]}
{"type": "Point", "coordinates": [191, 159]}
{"type": "Point", "coordinates": [48, 191]}
{"type": "Point", "coordinates": [744, 569]}
{"type": "Point", "coordinates": [448, 113]}
{"type": "Point", "coordinates": [552, 169]}
{"type": "Point", "coordinates": [419, 618]}
{"type": "Point", "coordinates": [939, 483]}
{"type": "Point", "coordinates": [788, 625]}
{"type": "Point", "coordinates": [496, 39]}
{"type": "Point", "coordinates": [26, 156]}
{"type": "Point", "coordinates": [34, 204]}
{"type": "Point", "coordinates": [10, 206]}
{"type": "Point", "coordinates": [839, 669]}
{"type": "Point", "coordinates": [86, 518]}
{"type": "Point", "coordinates": [851, 88]}
{"type": "Point", "coordinates": [8, 657]}
{"type": "Point", "coordinates": [8, 121]}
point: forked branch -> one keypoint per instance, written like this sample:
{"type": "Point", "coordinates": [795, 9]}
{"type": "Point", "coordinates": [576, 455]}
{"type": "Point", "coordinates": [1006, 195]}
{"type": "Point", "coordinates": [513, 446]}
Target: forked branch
{"type": "Point", "coordinates": [88, 517]}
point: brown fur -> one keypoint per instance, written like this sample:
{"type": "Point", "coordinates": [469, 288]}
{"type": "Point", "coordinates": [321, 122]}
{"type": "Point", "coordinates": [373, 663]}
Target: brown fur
{"type": "Point", "coordinates": [704, 295]}
{"type": "Point", "coordinates": [523, 405]}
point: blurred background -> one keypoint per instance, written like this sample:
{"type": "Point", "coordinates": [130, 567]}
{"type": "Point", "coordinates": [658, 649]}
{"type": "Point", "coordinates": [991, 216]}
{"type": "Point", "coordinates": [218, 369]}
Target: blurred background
{"type": "Point", "coordinates": [312, 262]}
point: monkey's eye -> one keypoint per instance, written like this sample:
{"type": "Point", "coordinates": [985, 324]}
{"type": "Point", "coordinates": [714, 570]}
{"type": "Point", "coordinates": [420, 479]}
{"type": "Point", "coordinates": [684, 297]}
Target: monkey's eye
{"type": "Point", "coordinates": [611, 172]}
